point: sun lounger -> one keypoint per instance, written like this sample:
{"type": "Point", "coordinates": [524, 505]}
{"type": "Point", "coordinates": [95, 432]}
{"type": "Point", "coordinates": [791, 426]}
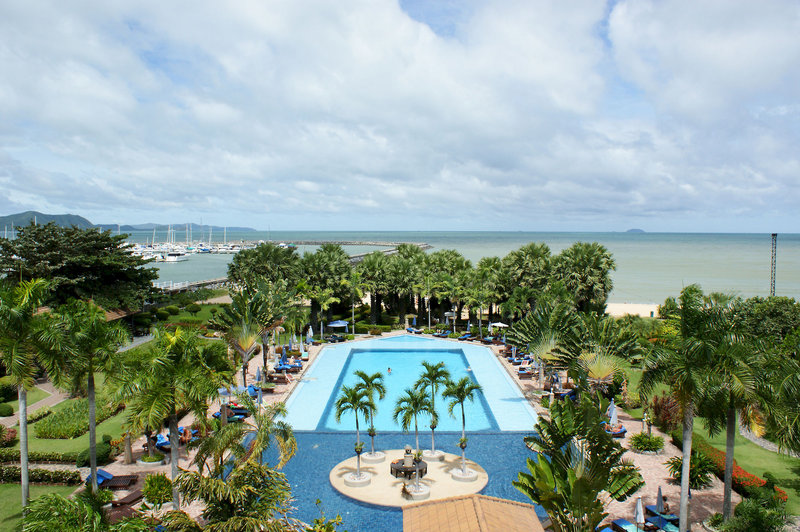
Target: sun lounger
{"type": "Point", "coordinates": [651, 508]}
{"type": "Point", "coordinates": [413, 330]}
{"type": "Point", "coordinates": [112, 482]}
{"type": "Point", "coordinates": [623, 525]}
{"type": "Point", "coordinates": [466, 336]}
{"type": "Point", "coordinates": [280, 378]}
{"type": "Point", "coordinates": [231, 419]}
{"type": "Point", "coordinates": [604, 529]}
{"type": "Point", "coordinates": [488, 340]}
{"type": "Point", "coordinates": [619, 433]}
{"type": "Point", "coordinates": [132, 498]}
{"type": "Point", "coordinates": [662, 524]}
{"type": "Point", "coordinates": [443, 334]}
{"type": "Point", "coordinates": [525, 374]}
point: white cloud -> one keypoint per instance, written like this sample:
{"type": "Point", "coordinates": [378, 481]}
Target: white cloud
{"type": "Point", "coordinates": [358, 115]}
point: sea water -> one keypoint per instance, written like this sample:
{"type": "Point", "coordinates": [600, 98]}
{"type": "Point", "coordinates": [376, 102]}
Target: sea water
{"type": "Point", "coordinates": [650, 266]}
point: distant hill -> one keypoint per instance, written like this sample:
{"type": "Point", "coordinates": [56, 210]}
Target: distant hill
{"type": "Point", "coordinates": [635, 231]}
{"type": "Point", "coordinates": [24, 218]}
{"type": "Point", "coordinates": [67, 220]}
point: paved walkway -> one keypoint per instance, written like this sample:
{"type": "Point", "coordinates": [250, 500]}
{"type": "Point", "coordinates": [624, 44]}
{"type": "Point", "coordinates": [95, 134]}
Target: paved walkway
{"type": "Point", "coordinates": [55, 397]}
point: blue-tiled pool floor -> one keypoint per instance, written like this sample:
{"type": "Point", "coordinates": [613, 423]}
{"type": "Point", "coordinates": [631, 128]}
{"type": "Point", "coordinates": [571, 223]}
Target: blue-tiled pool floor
{"type": "Point", "coordinates": [501, 454]}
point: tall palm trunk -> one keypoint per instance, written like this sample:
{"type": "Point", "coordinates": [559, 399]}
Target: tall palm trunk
{"type": "Point", "coordinates": [92, 429]}
{"type": "Point", "coordinates": [23, 444]}
{"type": "Point", "coordinates": [433, 427]}
{"type": "Point", "coordinates": [358, 454]}
{"type": "Point", "coordinates": [463, 447]}
{"type": "Point", "coordinates": [730, 438]}
{"type": "Point", "coordinates": [688, 422]}
{"type": "Point", "coordinates": [416, 433]}
{"type": "Point", "coordinates": [173, 455]}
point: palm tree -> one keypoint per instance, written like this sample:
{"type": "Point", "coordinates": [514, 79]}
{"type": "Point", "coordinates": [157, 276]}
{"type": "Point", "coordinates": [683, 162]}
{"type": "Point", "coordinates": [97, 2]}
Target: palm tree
{"type": "Point", "coordinates": [577, 463]}
{"type": "Point", "coordinates": [683, 365]}
{"type": "Point", "coordinates": [433, 376]}
{"type": "Point", "coordinates": [324, 298]}
{"type": "Point", "coordinates": [410, 405]}
{"type": "Point", "coordinates": [354, 399]}
{"type": "Point", "coordinates": [585, 269]}
{"type": "Point", "coordinates": [264, 428]}
{"type": "Point", "coordinates": [371, 384]}
{"type": "Point", "coordinates": [459, 392]}
{"type": "Point", "coordinates": [91, 344]}
{"type": "Point", "coordinates": [355, 284]}
{"type": "Point", "coordinates": [24, 335]}
{"type": "Point", "coordinates": [373, 272]}
{"type": "Point", "coordinates": [178, 372]}
{"type": "Point", "coordinates": [55, 512]}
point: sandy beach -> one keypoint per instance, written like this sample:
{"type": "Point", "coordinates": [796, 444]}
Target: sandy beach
{"type": "Point", "coordinates": [645, 310]}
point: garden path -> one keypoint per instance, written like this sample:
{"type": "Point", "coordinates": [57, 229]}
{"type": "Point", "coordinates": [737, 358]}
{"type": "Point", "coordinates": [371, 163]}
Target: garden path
{"type": "Point", "coordinates": [55, 397]}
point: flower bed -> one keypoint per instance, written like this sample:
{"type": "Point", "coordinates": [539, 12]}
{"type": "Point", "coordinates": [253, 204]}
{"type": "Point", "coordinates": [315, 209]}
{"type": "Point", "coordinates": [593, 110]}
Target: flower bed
{"type": "Point", "coordinates": [743, 481]}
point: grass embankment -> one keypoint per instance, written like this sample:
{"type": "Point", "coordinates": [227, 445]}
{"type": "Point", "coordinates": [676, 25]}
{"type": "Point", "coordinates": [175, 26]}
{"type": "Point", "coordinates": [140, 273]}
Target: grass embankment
{"type": "Point", "coordinates": [11, 505]}
{"type": "Point", "coordinates": [748, 455]}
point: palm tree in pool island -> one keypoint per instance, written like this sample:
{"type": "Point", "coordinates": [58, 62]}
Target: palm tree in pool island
{"type": "Point", "coordinates": [372, 384]}
{"type": "Point", "coordinates": [408, 407]}
{"type": "Point", "coordinates": [433, 376]}
{"type": "Point", "coordinates": [459, 392]}
{"type": "Point", "coordinates": [356, 400]}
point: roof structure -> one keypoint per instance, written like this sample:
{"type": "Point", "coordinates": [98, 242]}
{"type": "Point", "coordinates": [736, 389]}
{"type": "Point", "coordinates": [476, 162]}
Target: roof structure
{"type": "Point", "coordinates": [470, 513]}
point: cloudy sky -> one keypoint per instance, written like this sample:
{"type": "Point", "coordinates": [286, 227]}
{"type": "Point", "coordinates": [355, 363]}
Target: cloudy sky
{"type": "Point", "coordinates": [419, 115]}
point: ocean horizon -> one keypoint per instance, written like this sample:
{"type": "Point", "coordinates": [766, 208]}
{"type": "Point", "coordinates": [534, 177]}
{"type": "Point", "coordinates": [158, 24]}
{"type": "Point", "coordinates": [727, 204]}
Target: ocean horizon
{"type": "Point", "coordinates": [650, 266]}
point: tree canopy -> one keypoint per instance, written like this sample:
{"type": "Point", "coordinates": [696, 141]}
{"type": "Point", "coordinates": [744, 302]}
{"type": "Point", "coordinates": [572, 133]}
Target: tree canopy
{"type": "Point", "coordinates": [80, 264]}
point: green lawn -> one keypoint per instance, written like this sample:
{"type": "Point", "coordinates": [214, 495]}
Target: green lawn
{"type": "Point", "coordinates": [11, 506]}
{"type": "Point", "coordinates": [757, 461]}
{"type": "Point", "coordinates": [204, 314]}
{"type": "Point", "coordinates": [34, 395]}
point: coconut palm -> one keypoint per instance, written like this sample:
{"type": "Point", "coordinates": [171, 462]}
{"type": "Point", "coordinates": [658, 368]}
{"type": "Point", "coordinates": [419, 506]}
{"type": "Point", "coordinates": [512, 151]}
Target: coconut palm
{"type": "Point", "coordinates": [263, 428]}
{"type": "Point", "coordinates": [585, 269]}
{"type": "Point", "coordinates": [373, 273]}
{"type": "Point", "coordinates": [683, 364]}
{"type": "Point", "coordinates": [529, 266]}
{"type": "Point", "coordinates": [178, 373]}
{"type": "Point", "coordinates": [91, 346]}
{"type": "Point", "coordinates": [356, 400]}
{"type": "Point", "coordinates": [355, 284]}
{"type": "Point", "coordinates": [324, 298]}
{"type": "Point", "coordinates": [408, 407]}
{"type": "Point", "coordinates": [372, 384]}
{"type": "Point", "coordinates": [433, 376]}
{"type": "Point", "coordinates": [459, 392]}
{"type": "Point", "coordinates": [25, 336]}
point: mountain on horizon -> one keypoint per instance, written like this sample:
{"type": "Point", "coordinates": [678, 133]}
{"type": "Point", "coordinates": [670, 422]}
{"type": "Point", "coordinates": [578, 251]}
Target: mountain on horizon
{"type": "Point", "coordinates": [27, 217]}
{"type": "Point", "coordinates": [68, 220]}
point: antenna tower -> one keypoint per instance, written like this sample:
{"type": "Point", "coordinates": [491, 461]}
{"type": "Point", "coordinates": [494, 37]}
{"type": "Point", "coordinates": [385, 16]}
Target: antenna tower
{"type": "Point", "coordinates": [772, 265]}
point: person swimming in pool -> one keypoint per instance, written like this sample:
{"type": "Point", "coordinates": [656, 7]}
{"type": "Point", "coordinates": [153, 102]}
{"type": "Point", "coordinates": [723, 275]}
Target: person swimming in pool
{"type": "Point", "coordinates": [389, 371]}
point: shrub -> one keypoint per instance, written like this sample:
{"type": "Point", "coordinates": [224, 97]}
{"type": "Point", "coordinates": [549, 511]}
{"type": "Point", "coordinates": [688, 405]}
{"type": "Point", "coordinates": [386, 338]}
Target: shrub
{"type": "Point", "coordinates": [157, 489]}
{"type": "Point", "coordinates": [700, 471]}
{"type": "Point", "coordinates": [715, 520]}
{"type": "Point", "coordinates": [6, 410]}
{"type": "Point", "coordinates": [375, 331]}
{"type": "Point", "coordinates": [8, 389]}
{"type": "Point", "coordinates": [71, 421]}
{"type": "Point", "coordinates": [104, 496]}
{"type": "Point", "coordinates": [647, 443]}
{"type": "Point", "coordinates": [103, 455]}
{"type": "Point", "coordinates": [39, 414]}
{"type": "Point", "coordinates": [12, 455]}
{"type": "Point", "coordinates": [10, 474]}
{"type": "Point", "coordinates": [162, 315]}
{"type": "Point", "coordinates": [193, 309]}
{"type": "Point", "coordinates": [666, 412]}
{"type": "Point", "coordinates": [8, 436]}
{"type": "Point", "coordinates": [545, 401]}
{"type": "Point", "coordinates": [764, 511]}
{"type": "Point", "coordinates": [173, 310]}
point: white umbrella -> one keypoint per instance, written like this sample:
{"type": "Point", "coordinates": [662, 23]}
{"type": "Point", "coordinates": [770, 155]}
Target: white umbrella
{"type": "Point", "coordinates": [612, 412]}
{"type": "Point", "coordinates": [660, 502]}
{"type": "Point", "coordinates": [309, 335]}
{"type": "Point", "coordinates": [490, 329]}
{"type": "Point", "coordinates": [638, 515]}
{"type": "Point", "coordinates": [499, 324]}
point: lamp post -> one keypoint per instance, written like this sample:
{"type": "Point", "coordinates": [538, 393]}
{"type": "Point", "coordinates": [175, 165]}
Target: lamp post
{"type": "Point", "coordinates": [224, 399]}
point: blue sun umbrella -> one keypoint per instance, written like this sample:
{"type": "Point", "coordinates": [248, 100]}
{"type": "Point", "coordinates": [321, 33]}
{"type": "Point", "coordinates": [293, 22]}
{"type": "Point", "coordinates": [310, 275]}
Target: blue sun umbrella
{"type": "Point", "coordinates": [414, 322]}
{"type": "Point", "coordinates": [660, 502]}
{"type": "Point", "coordinates": [258, 374]}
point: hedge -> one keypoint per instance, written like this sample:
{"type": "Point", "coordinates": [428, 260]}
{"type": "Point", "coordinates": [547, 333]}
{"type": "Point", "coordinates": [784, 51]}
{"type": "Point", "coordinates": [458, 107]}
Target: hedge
{"type": "Point", "coordinates": [12, 455]}
{"type": "Point", "coordinates": [72, 421]}
{"type": "Point", "coordinates": [40, 476]}
{"type": "Point", "coordinates": [8, 389]}
{"type": "Point", "coordinates": [103, 455]}
{"type": "Point", "coordinates": [743, 481]}
{"type": "Point", "coordinates": [6, 410]}
{"type": "Point", "coordinates": [39, 415]}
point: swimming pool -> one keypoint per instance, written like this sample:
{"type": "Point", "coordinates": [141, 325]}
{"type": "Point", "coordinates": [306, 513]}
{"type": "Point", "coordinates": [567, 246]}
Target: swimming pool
{"type": "Point", "coordinates": [499, 407]}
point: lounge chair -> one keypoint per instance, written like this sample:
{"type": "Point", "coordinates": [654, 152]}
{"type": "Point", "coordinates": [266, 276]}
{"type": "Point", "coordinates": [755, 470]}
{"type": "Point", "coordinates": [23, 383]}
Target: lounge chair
{"type": "Point", "coordinates": [132, 498]}
{"type": "Point", "coordinates": [525, 374]}
{"type": "Point", "coordinates": [488, 340]}
{"type": "Point", "coordinates": [604, 529]}
{"type": "Point", "coordinates": [413, 330]}
{"type": "Point", "coordinates": [623, 525]}
{"type": "Point", "coordinates": [443, 334]}
{"type": "Point", "coordinates": [662, 524]}
{"type": "Point", "coordinates": [280, 378]}
{"type": "Point", "coordinates": [162, 443]}
{"type": "Point", "coordinates": [651, 509]}
{"type": "Point", "coordinates": [231, 419]}
{"type": "Point", "coordinates": [519, 360]}
{"type": "Point", "coordinates": [466, 336]}
{"type": "Point", "coordinates": [619, 433]}
{"type": "Point", "coordinates": [112, 482]}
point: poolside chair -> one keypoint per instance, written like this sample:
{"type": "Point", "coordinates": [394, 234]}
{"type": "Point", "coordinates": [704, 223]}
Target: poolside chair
{"type": "Point", "coordinates": [231, 419]}
{"type": "Point", "coordinates": [465, 336]}
{"type": "Point", "coordinates": [488, 340]}
{"type": "Point", "coordinates": [443, 334]}
{"type": "Point", "coordinates": [132, 498]}
{"type": "Point", "coordinates": [112, 482]}
{"type": "Point", "coordinates": [162, 443]}
{"type": "Point", "coordinates": [413, 330]}
{"type": "Point", "coordinates": [652, 509]}
{"type": "Point", "coordinates": [662, 524]}
{"type": "Point", "coordinates": [623, 525]}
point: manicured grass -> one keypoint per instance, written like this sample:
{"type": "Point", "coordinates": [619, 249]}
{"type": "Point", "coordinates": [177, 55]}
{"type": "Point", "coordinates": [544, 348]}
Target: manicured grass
{"type": "Point", "coordinates": [11, 505]}
{"type": "Point", "coordinates": [34, 395]}
{"type": "Point", "coordinates": [204, 314]}
{"type": "Point", "coordinates": [758, 460]}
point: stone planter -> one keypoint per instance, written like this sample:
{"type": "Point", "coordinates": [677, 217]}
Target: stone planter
{"type": "Point", "coordinates": [357, 482]}
{"type": "Point", "coordinates": [649, 453]}
{"type": "Point", "coordinates": [164, 461]}
{"type": "Point", "coordinates": [369, 458]}
{"type": "Point", "coordinates": [436, 456]}
{"type": "Point", "coordinates": [459, 476]}
{"type": "Point", "coordinates": [423, 493]}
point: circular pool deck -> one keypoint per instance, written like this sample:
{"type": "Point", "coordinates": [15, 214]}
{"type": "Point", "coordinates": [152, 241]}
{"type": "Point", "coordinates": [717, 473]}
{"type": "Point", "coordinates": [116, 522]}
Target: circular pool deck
{"type": "Point", "coordinates": [385, 490]}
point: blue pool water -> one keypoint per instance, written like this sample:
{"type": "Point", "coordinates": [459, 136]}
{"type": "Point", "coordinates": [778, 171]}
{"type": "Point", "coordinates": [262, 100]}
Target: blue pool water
{"type": "Point", "coordinates": [502, 454]}
{"type": "Point", "coordinates": [499, 407]}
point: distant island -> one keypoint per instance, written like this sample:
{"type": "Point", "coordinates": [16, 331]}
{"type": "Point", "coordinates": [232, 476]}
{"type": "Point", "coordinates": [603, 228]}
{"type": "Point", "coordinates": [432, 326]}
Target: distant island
{"type": "Point", "coordinates": [68, 220]}
{"type": "Point", "coordinates": [635, 231]}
